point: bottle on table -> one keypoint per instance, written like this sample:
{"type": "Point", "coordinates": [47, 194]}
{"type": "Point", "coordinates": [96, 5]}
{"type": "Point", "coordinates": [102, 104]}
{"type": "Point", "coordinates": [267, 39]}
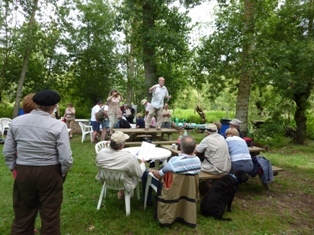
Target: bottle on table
{"type": "Point", "coordinates": [179, 142]}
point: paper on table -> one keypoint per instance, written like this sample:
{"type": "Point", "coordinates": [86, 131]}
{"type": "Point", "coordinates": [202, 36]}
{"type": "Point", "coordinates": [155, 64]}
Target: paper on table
{"type": "Point", "coordinates": [145, 151]}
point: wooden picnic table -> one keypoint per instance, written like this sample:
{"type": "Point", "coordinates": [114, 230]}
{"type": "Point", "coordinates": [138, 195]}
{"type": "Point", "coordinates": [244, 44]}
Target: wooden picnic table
{"type": "Point", "coordinates": [136, 134]}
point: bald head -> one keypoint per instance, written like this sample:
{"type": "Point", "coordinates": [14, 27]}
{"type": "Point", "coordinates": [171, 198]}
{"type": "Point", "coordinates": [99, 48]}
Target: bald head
{"type": "Point", "coordinates": [188, 145]}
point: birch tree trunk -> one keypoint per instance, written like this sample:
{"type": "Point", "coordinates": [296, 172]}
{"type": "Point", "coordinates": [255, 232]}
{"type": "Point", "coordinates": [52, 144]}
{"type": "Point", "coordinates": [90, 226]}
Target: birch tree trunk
{"type": "Point", "coordinates": [29, 44]}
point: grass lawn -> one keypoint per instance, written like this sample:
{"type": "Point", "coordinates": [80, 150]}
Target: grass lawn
{"type": "Point", "coordinates": [286, 209]}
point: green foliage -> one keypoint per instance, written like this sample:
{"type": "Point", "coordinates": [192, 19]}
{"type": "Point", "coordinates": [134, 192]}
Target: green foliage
{"type": "Point", "coordinates": [191, 116]}
{"type": "Point", "coordinates": [6, 109]}
{"type": "Point", "coordinates": [270, 131]}
{"type": "Point", "coordinates": [310, 125]}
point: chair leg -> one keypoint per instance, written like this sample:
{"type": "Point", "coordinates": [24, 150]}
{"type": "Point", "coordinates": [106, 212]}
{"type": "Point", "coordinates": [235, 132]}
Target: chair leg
{"type": "Point", "coordinates": [148, 183]}
{"type": "Point", "coordinates": [138, 191]}
{"type": "Point", "coordinates": [127, 199]}
{"type": "Point", "coordinates": [91, 136]}
{"type": "Point", "coordinates": [103, 189]}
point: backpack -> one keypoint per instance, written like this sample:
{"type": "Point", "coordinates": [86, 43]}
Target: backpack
{"type": "Point", "coordinates": [100, 115]}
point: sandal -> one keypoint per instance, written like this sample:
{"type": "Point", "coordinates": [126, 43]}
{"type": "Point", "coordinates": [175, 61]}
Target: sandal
{"type": "Point", "coordinates": [146, 129]}
{"type": "Point", "coordinates": [158, 129]}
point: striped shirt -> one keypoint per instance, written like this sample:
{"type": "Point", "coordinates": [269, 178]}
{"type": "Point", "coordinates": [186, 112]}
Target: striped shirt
{"type": "Point", "coordinates": [182, 164]}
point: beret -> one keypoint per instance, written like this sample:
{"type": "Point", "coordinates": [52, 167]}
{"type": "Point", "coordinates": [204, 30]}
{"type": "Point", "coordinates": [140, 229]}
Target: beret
{"type": "Point", "coordinates": [46, 98]}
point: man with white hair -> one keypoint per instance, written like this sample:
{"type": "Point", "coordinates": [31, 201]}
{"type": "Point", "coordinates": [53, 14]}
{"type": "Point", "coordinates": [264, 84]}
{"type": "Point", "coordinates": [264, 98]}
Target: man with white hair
{"type": "Point", "coordinates": [215, 150]}
{"type": "Point", "coordinates": [159, 93]}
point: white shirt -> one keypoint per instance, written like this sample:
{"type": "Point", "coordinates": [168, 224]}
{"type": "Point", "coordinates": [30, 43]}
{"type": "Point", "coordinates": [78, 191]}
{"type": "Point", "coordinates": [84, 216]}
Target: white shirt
{"type": "Point", "coordinates": [159, 94]}
{"type": "Point", "coordinates": [95, 109]}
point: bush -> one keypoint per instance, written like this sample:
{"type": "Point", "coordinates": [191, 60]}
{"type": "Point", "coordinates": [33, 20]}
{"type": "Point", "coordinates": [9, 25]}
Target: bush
{"type": "Point", "coordinates": [271, 131]}
{"type": "Point", "coordinates": [6, 110]}
{"type": "Point", "coordinates": [191, 116]}
{"type": "Point", "coordinates": [310, 125]}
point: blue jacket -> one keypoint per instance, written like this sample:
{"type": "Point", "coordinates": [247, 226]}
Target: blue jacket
{"type": "Point", "coordinates": [266, 173]}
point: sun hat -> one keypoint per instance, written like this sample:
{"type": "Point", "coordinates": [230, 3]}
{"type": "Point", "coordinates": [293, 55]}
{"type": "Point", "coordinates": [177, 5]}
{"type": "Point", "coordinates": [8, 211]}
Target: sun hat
{"type": "Point", "coordinates": [235, 122]}
{"type": "Point", "coordinates": [143, 101]}
{"type": "Point", "coordinates": [119, 137]}
{"type": "Point", "coordinates": [211, 127]}
{"type": "Point", "coordinates": [46, 98]}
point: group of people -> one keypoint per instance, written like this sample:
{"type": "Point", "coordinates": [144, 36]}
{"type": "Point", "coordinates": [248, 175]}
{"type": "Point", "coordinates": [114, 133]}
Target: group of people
{"type": "Point", "coordinates": [215, 154]}
{"type": "Point", "coordinates": [224, 153]}
{"type": "Point", "coordinates": [37, 151]}
{"type": "Point", "coordinates": [117, 117]}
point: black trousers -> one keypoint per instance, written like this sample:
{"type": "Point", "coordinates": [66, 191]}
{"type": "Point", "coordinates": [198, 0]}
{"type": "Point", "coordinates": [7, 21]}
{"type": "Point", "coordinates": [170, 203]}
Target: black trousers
{"type": "Point", "coordinates": [37, 189]}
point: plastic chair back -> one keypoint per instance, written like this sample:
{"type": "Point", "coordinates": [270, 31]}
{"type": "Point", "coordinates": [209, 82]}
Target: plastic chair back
{"type": "Point", "coordinates": [102, 144]}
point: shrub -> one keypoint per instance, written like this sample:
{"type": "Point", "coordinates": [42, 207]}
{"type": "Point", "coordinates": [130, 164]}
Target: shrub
{"type": "Point", "coordinates": [6, 110]}
{"type": "Point", "coordinates": [310, 125]}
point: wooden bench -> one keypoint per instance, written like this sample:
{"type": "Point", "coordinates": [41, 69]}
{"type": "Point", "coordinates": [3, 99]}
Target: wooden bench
{"type": "Point", "coordinates": [207, 176]}
{"type": "Point", "coordinates": [157, 142]}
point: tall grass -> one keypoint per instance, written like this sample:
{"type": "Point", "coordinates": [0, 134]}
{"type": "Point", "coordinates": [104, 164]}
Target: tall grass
{"type": "Point", "coordinates": [286, 209]}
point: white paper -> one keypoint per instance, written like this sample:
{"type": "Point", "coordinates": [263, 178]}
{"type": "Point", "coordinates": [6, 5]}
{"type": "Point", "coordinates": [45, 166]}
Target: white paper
{"type": "Point", "coordinates": [146, 151]}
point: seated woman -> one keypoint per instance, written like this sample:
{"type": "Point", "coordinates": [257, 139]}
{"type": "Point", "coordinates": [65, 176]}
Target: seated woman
{"type": "Point", "coordinates": [239, 152]}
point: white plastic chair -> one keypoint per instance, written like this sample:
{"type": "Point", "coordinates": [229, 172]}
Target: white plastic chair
{"type": "Point", "coordinates": [102, 144]}
{"type": "Point", "coordinates": [115, 180]}
{"type": "Point", "coordinates": [149, 183]}
{"type": "Point", "coordinates": [4, 125]}
{"type": "Point", "coordinates": [85, 131]}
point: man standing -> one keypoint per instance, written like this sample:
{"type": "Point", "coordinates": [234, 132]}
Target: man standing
{"type": "Point", "coordinates": [115, 159]}
{"type": "Point", "coordinates": [215, 150]}
{"type": "Point", "coordinates": [94, 122]}
{"type": "Point", "coordinates": [37, 151]}
{"type": "Point", "coordinates": [160, 92]}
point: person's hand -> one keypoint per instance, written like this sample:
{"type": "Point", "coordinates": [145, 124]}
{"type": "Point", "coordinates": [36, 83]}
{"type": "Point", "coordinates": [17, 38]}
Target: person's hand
{"type": "Point", "coordinates": [156, 174]}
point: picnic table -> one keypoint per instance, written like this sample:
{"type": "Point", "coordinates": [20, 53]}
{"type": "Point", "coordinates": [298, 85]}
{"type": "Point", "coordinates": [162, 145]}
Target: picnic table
{"type": "Point", "coordinates": [156, 136]}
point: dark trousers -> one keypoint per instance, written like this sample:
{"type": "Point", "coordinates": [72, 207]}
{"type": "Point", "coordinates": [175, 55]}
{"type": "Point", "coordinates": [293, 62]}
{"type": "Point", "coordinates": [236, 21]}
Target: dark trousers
{"type": "Point", "coordinates": [144, 181]}
{"type": "Point", "coordinates": [37, 189]}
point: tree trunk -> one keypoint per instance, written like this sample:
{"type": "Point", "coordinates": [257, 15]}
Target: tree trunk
{"type": "Point", "coordinates": [130, 77]}
{"type": "Point", "coordinates": [25, 58]}
{"type": "Point", "coordinates": [148, 48]}
{"type": "Point", "coordinates": [244, 89]}
{"type": "Point", "coordinates": [300, 118]}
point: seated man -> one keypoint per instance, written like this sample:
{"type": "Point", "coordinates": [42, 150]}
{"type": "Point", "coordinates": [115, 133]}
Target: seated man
{"type": "Point", "coordinates": [122, 122]}
{"type": "Point", "coordinates": [114, 158]}
{"type": "Point", "coordinates": [185, 163]}
{"type": "Point", "coordinates": [235, 123]}
{"type": "Point", "coordinates": [216, 153]}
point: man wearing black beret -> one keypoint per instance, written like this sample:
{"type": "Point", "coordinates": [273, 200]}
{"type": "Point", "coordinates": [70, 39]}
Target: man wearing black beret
{"type": "Point", "coordinates": [37, 150]}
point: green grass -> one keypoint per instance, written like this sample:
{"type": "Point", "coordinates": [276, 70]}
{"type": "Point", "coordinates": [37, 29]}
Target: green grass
{"type": "Point", "coordinates": [286, 209]}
